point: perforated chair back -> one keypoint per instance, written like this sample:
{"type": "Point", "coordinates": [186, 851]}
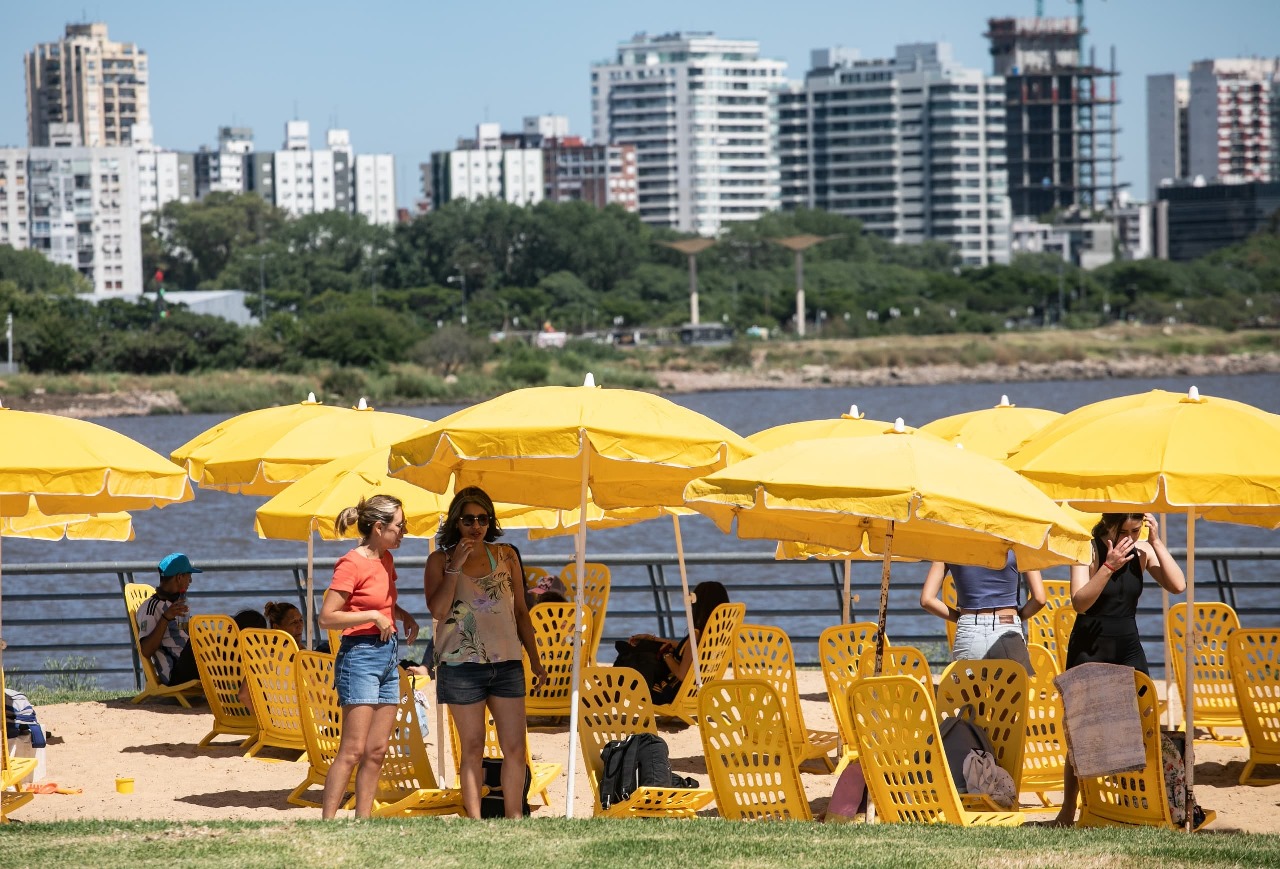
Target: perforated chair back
{"type": "Point", "coordinates": [1064, 619]}
{"type": "Point", "coordinates": [715, 651]}
{"type": "Point", "coordinates": [840, 651]}
{"type": "Point", "coordinates": [764, 652]}
{"type": "Point", "coordinates": [553, 625]}
{"type": "Point", "coordinates": [1255, 670]}
{"type": "Point", "coordinates": [992, 694]}
{"type": "Point", "coordinates": [321, 720]}
{"type": "Point", "coordinates": [897, 661]}
{"type": "Point", "coordinates": [533, 574]}
{"type": "Point", "coordinates": [268, 658]}
{"type": "Point", "coordinates": [407, 783]}
{"type": "Point", "coordinates": [215, 643]}
{"type": "Point", "coordinates": [135, 595]}
{"type": "Point", "coordinates": [1040, 627]}
{"type": "Point", "coordinates": [747, 747]}
{"type": "Point", "coordinates": [595, 592]}
{"type": "Point", "coordinates": [1215, 693]}
{"type": "Point", "coordinates": [1138, 798]}
{"type": "Point", "coordinates": [1044, 756]}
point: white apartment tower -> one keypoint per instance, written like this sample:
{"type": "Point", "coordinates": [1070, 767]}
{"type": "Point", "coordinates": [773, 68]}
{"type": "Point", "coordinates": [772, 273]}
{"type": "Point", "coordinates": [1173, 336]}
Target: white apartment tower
{"type": "Point", "coordinates": [1167, 100]}
{"type": "Point", "coordinates": [912, 145]}
{"type": "Point", "coordinates": [487, 167]}
{"type": "Point", "coordinates": [87, 90]}
{"type": "Point", "coordinates": [698, 110]}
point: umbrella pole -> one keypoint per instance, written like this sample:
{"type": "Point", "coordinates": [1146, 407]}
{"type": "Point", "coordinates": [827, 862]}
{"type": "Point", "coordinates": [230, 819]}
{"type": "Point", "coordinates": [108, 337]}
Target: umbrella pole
{"type": "Point", "coordinates": [2, 632]}
{"type": "Point", "coordinates": [688, 605]}
{"type": "Point", "coordinates": [311, 602]}
{"type": "Point", "coordinates": [1164, 620]}
{"type": "Point", "coordinates": [580, 544]}
{"type": "Point", "coordinates": [884, 597]}
{"type": "Point", "coordinates": [848, 601]}
{"type": "Point", "coordinates": [1189, 688]}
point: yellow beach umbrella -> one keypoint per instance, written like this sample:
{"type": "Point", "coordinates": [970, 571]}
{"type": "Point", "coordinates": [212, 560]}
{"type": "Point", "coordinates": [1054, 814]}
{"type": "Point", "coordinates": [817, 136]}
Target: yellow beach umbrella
{"type": "Point", "coordinates": [561, 447]}
{"type": "Point", "coordinates": [57, 465]}
{"type": "Point", "coordinates": [34, 525]}
{"type": "Point", "coordinates": [848, 425]}
{"type": "Point", "coordinates": [790, 550]}
{"type": "Point", "coordinates": [897, 494]}
{"type": "Point", "coordinates": [1163, 452]}
{"type": "Point", "coordinates": [262, 451]}
{"type": "Point", "coordinates": [993, 432]}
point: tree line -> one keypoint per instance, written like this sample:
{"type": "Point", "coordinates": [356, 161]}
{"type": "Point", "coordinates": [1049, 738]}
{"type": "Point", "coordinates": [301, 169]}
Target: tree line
{"type": "Point", "coordinates": [337, 289]}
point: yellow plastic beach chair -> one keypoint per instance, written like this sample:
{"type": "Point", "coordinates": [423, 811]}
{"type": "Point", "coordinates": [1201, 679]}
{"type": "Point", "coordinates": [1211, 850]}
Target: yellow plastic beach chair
{"type": "Point", "coordinates": [13, 770]}
{"type": "Point", "coordinates": [135, 595]}
{"type": "Point", "coordinates": [215, 642]}
{"type": "Point", "coordinates": [613, 703]}
{"type": "Point", "coordinates": [1255, 669]}
{"type": "Point", "coordinates": [268, 658]}
{"type": "Point", "coordinates": [1064, 619]}
{"type": "Point", "coordinates": [764, 652]}
{"type": "Point", "coordinates": [840, 650]}
{"type": "Point", "coordinates": [747, 745]}
{"type": "Point", "coordinates": [991, 693]}
{"type": "Point", "coordinates": [595, 592]}
{"type": "Point", "coordinates": [1040, 627]}
{"type": "Point", "coordinates": [1044, 755]}
{"type": "Point", "coordinates": [715, 649]}
{"type": "Point", "coordinates": [541, 773]}
{"type": "Point", "coordinates": [321, 722]}
{"type": "Point", "coordinates": [553, 625]}
{"type": "Point", "coordinates": [1215, 693]}
{"type": "Point", "coordinates": [1134, 799]}
{"type": "Point", "coordinates": [900, 750]}
{"type": "Point", "coordinates": [407, 784]}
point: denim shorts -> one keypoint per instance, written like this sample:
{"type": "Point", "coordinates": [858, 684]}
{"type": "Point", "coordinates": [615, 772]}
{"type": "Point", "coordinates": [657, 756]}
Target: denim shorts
{"type": "Point", "coordinates": [464, 684]}
{"type": "Point", "coordinates": [367, 671]}
{"type": "Point", "coordinates": [977, 632]}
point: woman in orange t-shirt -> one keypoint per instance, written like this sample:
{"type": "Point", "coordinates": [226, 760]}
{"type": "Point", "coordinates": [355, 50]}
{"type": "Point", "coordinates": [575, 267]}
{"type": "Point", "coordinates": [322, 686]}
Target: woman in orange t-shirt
{"type": "Point", "coordinates": [361, 601]}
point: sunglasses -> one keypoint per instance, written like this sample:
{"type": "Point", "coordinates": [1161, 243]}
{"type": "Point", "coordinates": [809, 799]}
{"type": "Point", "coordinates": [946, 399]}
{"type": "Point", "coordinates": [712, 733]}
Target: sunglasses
{"type": "Point", "coordinates": [481, 519]}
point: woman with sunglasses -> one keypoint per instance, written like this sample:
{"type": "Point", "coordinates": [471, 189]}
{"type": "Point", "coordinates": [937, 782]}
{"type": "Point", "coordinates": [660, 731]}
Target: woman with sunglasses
{"type": "Point", "coordinates": [475, 592]}
{"type": "Point", "coordinates": [361, 601]}
{"type": "Point", "coordinates": [1105, 594]}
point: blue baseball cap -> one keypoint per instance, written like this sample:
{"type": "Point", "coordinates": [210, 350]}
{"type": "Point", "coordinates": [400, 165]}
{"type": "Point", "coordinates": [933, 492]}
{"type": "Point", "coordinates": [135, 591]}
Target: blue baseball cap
{"type": "Point", "coordinates": [175, 563]}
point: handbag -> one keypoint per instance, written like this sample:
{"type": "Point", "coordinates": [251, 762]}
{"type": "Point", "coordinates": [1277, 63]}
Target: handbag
{"type": "Point", "coordinates": [645, 657]}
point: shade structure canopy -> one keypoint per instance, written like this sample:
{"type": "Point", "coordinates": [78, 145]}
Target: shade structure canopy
{"type": "Point", "coordinates": [994, 431]}
{"type": "Point", "coordinates": [74, 466]}
{"type": "Point", "coordinates": [1164, 452]}
{"type": "Point", "coordinates": [530, 446]}
{"type": "Point", "coordinates": [35, 525]}
{"type": "Point", "coordinates": [937, 502]}
{"type": "Point", "coordinates": [848, 425]}
{"type": "Point", "coordinates": [263, 451]}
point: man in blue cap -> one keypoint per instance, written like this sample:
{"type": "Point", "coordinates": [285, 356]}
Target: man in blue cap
{"type": "Point", "coordinates": [162, 622]}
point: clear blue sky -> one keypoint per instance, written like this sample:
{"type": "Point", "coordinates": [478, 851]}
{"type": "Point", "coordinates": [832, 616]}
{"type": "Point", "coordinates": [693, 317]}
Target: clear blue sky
{"type": "Point", "coordinates": [410, 76]}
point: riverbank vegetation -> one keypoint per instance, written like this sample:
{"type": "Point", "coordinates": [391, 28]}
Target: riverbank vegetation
{"type": "Point", "coordinates": [444, 307]}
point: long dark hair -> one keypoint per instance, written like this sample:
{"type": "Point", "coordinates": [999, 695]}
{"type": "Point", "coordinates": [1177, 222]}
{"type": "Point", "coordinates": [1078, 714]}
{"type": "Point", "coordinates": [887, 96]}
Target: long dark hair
{"type": "Point", "coordinates": [1108, 526]}
{"type": "Point", "coordinates": [706, 597]}
{"type": "Point", "coordinates": [449, 535]}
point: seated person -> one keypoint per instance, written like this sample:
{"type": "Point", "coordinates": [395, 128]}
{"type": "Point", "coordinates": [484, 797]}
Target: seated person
{"type": "Point", "coordinates": [162, 621]}
{"type": "Point", "coordinates": [548, 589]}
{"type": "Point", "coordinates": [674, 658]}
{"type": "Point", "coordinates": [286, 617]}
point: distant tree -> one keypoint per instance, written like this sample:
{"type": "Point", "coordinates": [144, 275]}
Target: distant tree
{"type": "Point", "coordinates": [197, 241]}
{"type": "Point", "coordinates": [33, 272]}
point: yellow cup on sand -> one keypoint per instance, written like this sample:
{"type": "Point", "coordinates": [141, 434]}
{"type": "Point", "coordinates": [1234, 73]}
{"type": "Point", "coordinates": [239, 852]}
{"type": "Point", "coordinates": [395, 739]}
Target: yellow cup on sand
{"type": "Point", "coordinates": [124, 785]}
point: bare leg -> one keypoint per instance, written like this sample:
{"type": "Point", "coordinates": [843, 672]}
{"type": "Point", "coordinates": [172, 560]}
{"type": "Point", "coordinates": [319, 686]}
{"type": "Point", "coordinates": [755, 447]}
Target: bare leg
{"type": "Point", "coordinates": [355, 731]}
{"type": "Point", "coordinates": [509, 718]}
{"type": "Point", "coordinates": [383, 718]}
{"type": "Point", "coordinates": [1070, 792]}
{"type": "Point", "coordinates": [469, 720]}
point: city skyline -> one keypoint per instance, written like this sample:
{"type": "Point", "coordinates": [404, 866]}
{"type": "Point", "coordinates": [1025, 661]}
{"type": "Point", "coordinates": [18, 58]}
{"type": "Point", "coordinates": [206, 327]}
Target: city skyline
{"type": "Point", "coordinates": [264, 64]}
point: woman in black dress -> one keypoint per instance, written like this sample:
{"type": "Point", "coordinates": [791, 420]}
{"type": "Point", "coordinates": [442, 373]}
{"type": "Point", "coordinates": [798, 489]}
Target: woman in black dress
{"type": "Point", "coordinates": [1105, 595]}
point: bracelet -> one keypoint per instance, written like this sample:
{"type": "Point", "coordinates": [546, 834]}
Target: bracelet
{"type": "Point", "coordinates": [453, 570]}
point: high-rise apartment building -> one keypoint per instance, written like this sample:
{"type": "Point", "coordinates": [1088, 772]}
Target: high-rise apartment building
{"type": "Point", "coordinates": [79, 207]}
{"type": "Point", "coordinates": [599, 175]}
{"type": "Point", "coordinates": [490, 166]}
{"type": "Point", "coordinates": [87, 90]}
{"type": "Point", "coordinates": [222, 170]}
{"type": "Point", "coordinates": [698, 110]}
{"type": "Point", "coordinates": [1226, 116]}
{"type": "Point", "coordinates": [911, 145]}
{"type": "Point", "coordinates": [1060, 113]}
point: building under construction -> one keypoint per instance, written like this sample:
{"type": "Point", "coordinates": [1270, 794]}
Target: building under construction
{"type": "Point", "coordinates": [1060, 115]}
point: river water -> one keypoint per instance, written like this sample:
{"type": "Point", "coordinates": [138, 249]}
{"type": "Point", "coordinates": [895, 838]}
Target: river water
{"type": "Point", "coordinates": [220, 526]}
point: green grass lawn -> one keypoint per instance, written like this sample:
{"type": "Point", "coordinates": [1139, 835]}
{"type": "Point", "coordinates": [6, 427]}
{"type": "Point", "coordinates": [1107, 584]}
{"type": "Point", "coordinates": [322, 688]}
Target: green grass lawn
{"type": "Point", "coordinates": [556, 842]}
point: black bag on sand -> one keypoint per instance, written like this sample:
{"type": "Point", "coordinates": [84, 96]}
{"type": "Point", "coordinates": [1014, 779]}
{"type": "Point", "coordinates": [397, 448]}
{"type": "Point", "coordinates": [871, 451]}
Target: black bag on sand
{"type": "Point", "coordinates": [641, 759]}
{"type": "Point", "coordinates": [492, 804]}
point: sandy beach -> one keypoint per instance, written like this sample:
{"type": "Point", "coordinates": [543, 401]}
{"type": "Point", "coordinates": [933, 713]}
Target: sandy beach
{"type": "Point", "coordinates": [155, 743]}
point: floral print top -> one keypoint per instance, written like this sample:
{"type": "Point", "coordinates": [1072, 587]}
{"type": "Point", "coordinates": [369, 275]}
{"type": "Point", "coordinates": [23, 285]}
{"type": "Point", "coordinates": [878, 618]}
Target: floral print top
{"type": "Point", "coordinates": [481, 627]}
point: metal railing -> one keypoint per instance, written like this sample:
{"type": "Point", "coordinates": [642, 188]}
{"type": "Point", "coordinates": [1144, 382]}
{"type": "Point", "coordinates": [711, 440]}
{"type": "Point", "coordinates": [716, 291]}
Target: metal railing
{"type": "Point", "coordinates": [74, 612]}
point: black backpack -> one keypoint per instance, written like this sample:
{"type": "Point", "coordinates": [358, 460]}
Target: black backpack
{"type": "Point", "coordinates": [492, 804]}
{"type": "Point", "coordinates": [959, 737]}
{"type": "Point", "coordinates": [639, 760]}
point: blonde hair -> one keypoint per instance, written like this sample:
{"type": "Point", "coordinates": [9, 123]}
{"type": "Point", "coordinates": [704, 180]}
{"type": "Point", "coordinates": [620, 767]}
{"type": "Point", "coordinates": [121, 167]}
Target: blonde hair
{"type": "Point", "coordinates": [379, 508]}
